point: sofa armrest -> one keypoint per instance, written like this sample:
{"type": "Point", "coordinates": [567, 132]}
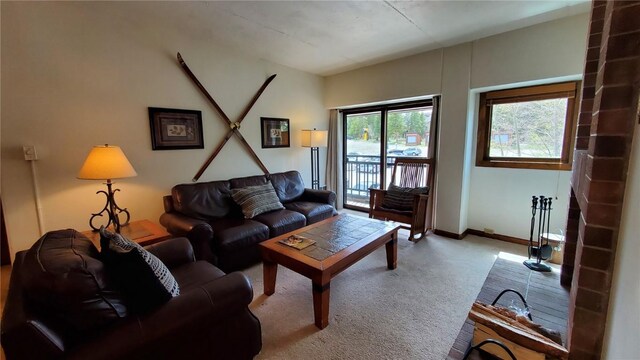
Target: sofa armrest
{"type": "Point", "coordinates": [167, 201]}
{"type": "Point", "coordinates": [319, 196]}
{"type": "Point", "coordinates": [199, 233]}
{"type": "Point", "coordinates": [22, 334]}
{"type": "Point", "coordinates": [193, 316]}
{"type": "Point", "coordinates": [180, 225]}
{"type": "Point", "coordinates": [173, 252]}
{"type": "Point", "coordinates": [211, 302]}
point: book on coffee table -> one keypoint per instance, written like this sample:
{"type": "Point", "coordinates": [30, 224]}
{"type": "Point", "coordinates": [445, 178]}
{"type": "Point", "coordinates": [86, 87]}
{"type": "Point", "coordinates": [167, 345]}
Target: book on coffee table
{"type": "Point", "coordinates": [297, 241]}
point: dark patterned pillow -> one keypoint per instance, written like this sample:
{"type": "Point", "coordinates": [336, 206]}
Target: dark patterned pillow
{"type": "Point", "coordinates": [143, 277]}
{"type": "Point", "coordinates": [255, 200]}
{"type": "Point", "coordinates": [401, 198]}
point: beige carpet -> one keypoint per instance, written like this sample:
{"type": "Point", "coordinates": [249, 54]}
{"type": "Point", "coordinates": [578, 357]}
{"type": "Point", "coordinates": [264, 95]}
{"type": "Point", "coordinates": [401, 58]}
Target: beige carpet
{"type": "Point", "coordinates": [413, 312]}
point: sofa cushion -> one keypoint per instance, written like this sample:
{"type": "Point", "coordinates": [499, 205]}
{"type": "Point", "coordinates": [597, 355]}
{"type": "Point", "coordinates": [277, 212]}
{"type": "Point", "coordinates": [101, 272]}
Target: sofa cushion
{"type": "Point", "coordinates": [401, 198]}
{"type": "Point", "coordinates": [281, 221]}
{"type": "Point", "coordinates": [288, 185]}
{"type": "Point", "coordinates": [203, 200]}
{"type": "Point", "coordinates": [237, 183]}
{"type": "Point", "coordinates": [63, 275]}
{"type": "Point", "coordinates": [144, 278]}
{"type": "Point", "coordinates": [256, 200]}
{"type": "Point", "coordinates": [314, 212]}
{"type": "Point", "coordinates": [236, 233]}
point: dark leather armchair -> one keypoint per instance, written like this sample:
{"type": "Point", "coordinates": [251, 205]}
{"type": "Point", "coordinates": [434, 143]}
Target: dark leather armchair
{"type": "Point", "coordinates": [209, 319]}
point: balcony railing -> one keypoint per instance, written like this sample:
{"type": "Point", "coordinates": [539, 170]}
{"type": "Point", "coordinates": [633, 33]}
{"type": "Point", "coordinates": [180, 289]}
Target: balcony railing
{"type": "Point", "coordinates": [363, 172]}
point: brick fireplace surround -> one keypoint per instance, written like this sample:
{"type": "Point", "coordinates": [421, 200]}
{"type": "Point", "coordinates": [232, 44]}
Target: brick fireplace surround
{"type": "Point", "coordinates": [607, 120]}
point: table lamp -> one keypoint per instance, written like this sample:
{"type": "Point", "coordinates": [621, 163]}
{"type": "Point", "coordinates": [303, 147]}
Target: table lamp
{"type": "Point", "coordinates": [315, 139]}
{"type": "Point", "coordinates": [105, 163]}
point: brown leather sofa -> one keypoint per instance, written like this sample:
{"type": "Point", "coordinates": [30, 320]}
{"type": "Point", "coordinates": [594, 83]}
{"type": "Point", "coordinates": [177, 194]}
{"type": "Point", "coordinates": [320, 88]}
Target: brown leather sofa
{"type": "Point", "coordinates": [206, 214]}
{"type": "Point", "coordinates": [62, 304]}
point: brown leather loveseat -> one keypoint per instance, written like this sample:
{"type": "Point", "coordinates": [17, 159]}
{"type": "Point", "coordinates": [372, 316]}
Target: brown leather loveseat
{"type": "Point", "coordinates": [207, 215]}
{"type": "Point", "coordinates": [64, 304]}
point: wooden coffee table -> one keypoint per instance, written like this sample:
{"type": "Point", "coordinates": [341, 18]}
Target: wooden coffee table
{"type": "Point", "coordinates": [340, 242]}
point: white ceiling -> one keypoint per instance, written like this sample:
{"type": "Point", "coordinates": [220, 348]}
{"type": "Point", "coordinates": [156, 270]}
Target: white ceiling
{"type": "Point", "coordinates": [329, 37]}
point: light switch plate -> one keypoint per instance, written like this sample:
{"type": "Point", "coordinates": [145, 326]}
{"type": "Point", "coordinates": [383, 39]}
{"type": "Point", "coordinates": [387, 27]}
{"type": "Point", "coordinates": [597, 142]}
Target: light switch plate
{"type": "Point", "coordinates": [29, 152]}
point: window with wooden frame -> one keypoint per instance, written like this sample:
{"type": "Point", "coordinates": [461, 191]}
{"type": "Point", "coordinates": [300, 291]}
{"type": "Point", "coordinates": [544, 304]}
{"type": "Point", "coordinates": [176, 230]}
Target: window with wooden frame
{"type": "Point", "coordinates": [530, 127]}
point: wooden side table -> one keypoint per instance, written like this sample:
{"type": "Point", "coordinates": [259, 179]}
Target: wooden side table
{"type": "Point", "coordinates": [144, 232]}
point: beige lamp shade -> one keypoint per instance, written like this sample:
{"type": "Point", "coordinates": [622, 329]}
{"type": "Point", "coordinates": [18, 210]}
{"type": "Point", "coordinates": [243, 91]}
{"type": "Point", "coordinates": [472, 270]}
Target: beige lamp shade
{"type": "Point", "coordinates": [314, 138]}
{"type": "Point", "coordinates": [106, 162]}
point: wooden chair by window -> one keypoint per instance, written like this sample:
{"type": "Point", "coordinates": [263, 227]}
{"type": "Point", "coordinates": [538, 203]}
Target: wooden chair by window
{"type": "Point", "coordinates": [412, 202]}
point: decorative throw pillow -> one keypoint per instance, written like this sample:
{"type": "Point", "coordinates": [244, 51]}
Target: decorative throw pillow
{"type": "Point", "coordinates": [401, 198]}
{"type": "Point", "coordinates": [255, 200]}
{"type": "Point", "coordinates": [143, 277]}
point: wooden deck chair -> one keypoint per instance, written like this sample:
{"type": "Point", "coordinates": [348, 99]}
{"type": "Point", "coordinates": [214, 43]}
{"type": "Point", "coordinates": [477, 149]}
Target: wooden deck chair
{"type": "Point", "coordinates": [413, 180]}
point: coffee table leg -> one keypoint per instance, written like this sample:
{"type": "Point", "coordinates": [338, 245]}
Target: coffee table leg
{"type": "Point", "coordinates": [392, 251]}
{"type": "Point", "coordinates": [269, 272]}
{"type": "Point", "coordinates": [321, 305]}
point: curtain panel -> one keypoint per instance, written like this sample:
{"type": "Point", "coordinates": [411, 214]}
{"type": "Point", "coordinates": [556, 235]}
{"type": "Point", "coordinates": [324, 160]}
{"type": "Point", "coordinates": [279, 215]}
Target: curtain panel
{"type": "Point", "coordinates": [334, 156]}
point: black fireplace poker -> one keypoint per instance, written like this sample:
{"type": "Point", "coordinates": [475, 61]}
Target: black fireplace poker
{"type": "Point", "coordinates": [541, 251]}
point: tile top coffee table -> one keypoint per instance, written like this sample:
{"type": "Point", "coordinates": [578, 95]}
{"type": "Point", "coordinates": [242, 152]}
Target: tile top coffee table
{"type": "Point", "coordinates": [340, 242]}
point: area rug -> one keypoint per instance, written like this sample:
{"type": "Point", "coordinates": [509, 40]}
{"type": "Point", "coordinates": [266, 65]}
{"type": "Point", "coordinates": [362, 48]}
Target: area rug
{"type": "Point", "coordinates": [413, 312]}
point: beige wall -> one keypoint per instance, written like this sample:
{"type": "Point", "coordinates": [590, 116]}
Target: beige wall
{"type": "Point", "coordinates": [451, 138]}
{"type": "Point", "coordinates": [467, 196]}
{"type": "Point", "coordinates": [76, 75]}
{"type": "Point", "coordinates": [623, 320]}
{"type": "Point", "coordinates": [500, 199]}
{"type": "Point", "coordinates": [550, 50]}
{"type": "Point", "coordinates": [417, 75]}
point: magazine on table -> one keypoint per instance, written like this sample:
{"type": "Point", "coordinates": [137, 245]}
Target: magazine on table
{"type": "Point", "coordinates": [297, 241]}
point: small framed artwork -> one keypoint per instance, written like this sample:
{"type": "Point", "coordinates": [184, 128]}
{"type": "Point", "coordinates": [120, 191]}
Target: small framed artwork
{"type": "Point", "coordinates": [275, 132]}
{"type": "Point", "coordinates": [174, 129]}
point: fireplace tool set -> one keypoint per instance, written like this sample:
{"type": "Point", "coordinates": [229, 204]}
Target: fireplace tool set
{"type": "Point", "coordinates": [539, 250]}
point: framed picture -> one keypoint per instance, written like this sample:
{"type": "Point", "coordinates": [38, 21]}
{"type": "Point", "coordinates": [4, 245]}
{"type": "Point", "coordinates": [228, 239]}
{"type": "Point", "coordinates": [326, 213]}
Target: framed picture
{"type": "Point", "coordinates": [173, 129]}
{"type": "Point", "coordinates": [275, 132]}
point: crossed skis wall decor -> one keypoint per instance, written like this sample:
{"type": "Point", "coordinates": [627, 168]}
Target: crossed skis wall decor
{"type": "Point", "coordinates": [233, 126]}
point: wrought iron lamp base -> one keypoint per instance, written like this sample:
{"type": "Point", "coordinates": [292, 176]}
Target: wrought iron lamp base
{"type": "Point", "coordinates": [112, 210]}
{"type": "Point", "coordinates": [315, 168]}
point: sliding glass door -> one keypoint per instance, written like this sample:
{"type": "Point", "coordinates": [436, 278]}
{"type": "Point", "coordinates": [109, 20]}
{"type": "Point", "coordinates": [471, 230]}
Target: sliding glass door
{"type": "Point", "coordinates": [374, 137]}
{"type": "Point", "coordinates": [362, 148]}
